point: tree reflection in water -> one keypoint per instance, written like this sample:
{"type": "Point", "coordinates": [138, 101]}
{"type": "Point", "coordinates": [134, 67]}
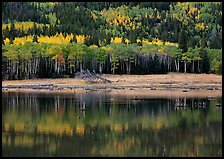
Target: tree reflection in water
{"type": "Point", "coordinates": [54, 125]}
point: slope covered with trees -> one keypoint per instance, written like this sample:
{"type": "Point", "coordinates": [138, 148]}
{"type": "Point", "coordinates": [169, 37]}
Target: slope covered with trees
{"type": "Point", "coordinates": [53, 39]}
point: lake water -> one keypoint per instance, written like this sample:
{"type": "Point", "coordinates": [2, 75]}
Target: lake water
{"type": "Point", "coordinates": [94, 124]}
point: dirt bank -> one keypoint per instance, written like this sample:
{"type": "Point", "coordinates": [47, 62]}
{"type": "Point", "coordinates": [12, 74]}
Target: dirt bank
{"type": "Point", "coordinates": [174, 83]}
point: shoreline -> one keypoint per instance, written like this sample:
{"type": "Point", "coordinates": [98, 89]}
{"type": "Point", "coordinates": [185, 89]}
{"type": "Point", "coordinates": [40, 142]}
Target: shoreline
{"type": "Point", "coordinates": [131, 85]}
{"type": "Point", "coordinates": [134, 93]}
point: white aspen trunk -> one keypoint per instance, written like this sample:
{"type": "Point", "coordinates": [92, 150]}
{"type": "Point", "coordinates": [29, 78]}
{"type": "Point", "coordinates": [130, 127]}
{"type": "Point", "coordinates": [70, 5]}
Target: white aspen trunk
{"type": "Point", "coordinates": [178, 65]}
{"type": "Point", "coordinates": [55, 65]}
{"type": "Point", "coordinates": [58, 68]}
{"type": "Point", "coordinates": [100, 68]}
{"type": "Point", "coordinates": [175, 62]}
{"type": "Point", "coordinates": [81, 67]}
{"type": "Point", "coordinates": [185, 66]}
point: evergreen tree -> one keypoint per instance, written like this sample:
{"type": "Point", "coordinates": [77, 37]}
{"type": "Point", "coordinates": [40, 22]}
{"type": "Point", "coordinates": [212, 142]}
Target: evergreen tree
{"type": "Point", "coordinates": [182, 41]}
{"type": "Point", "coordinates": [205, 64]}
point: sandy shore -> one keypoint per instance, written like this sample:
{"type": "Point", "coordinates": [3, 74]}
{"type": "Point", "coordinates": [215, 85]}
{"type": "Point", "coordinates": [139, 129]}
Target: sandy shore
{"type": "Point", "coordinates": [167, 85]}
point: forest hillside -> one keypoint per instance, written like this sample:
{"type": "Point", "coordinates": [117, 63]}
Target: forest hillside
{"type": "Point", "coordinates": [60, 39]}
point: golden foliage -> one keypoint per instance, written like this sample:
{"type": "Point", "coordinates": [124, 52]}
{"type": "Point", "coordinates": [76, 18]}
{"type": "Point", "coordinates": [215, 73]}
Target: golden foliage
{"type": "Point", "coordinates": [116, 16]}
{"type": "Point", "coordinates": [192, 11]}
{"type": "Point", "coordinates": [56, 39]}
{"type": "Point", "coordinates": [171, 44]}
{"type": "Point", "coordinates": [201, 26]}
{"type": "Point", "coordinates": [127, 41]}
{"type": "Point", "coordinates": [138, 41]}
{"type": "Point", "coordinates": [80, 39]}
{"type": "Point", "coordinates": [23, 25]}
{"type": "Point", "coordinates": [6, 41]}
{"type": "Point", "coordinates": [93, 46]}
{"type": "Point", "coordinates": [22, 40]}
{"type": "Point", "coordinates": [158, 42]}
{"type": "Point", "coordinates": [116, 40]}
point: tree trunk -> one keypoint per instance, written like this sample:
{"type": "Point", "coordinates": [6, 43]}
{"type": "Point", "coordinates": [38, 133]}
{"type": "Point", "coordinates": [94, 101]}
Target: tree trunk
{"type": "Point", "coordinates": [55, 65]}
{"type": "Point", "coordinates": [175, 62]}
{"type": "Point", "coordinates": [178, 65]}
{"type": "Point", "coordinates": [129, 69]}
{"type": "Point", "coordinates": [100, 68]}
{"type": "Point", "coordinates": [198, 67]}
{"type": "Point", "coordinates": [193, 67]}
{"type": "Point", "coordinates": [81, 67]}
{"type": "Point", "coordinates": [168, 63]}
{"type": "Point", "coordinates": [113, 68]}
{"type": "Point", "coordinates": [185, 66]}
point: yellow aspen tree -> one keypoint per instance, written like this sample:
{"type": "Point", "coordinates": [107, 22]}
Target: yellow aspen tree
{"type": "Point", "coordinates": [6, 41]}
{"type": "Point", "coordinates": [23, 40]}
{"type": "Point", "coordinates": [127, 41]}
{"type": "Point", "coordinates": [116, 40]}
{"type": "Point", "coordinates": [80, 39]}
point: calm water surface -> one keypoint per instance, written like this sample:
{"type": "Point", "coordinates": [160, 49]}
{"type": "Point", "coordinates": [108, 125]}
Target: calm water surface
{"type": "Point", "coordinates": [56, 125]}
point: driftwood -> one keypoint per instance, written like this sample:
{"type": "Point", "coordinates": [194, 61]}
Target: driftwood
{"type": "Point", "coordinates": [91, 77]}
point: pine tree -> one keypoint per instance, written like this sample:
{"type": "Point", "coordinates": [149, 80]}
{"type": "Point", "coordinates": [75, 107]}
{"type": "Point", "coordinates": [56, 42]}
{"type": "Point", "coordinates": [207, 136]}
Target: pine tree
{"type": "Point", "coordinates": [205, 64]}
{"type": "Point", "coordinates": [182, 41]}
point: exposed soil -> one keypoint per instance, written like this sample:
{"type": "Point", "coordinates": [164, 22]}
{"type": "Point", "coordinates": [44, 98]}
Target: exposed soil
{"type": "Point", "coordinates": [144, 85]}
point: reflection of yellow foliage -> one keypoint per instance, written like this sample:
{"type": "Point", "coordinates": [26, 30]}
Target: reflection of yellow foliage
{"type": "Point", "coordinates": [117, 127]}
{"type": "Point", "coordinates": [199, 140]}
{"type": "Point", "coordinates": [19, 127]}
{"type": "Point", "coordinates": [126, 126]}
{"type": "Point", "coordinates": [6, 138]}
{"type": "Point", "coordinates": [80, 129]}
{"type": "Point", "coordinates": [6, 127]}
{"type": "Point", "coordinates": [158, 124]}
{"type": "Point", "coordinates": [24, 141]}
{"type": "Point", "coordinates": [57, 129]}
{"type": "Point", "coordinates": [118, 147]}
